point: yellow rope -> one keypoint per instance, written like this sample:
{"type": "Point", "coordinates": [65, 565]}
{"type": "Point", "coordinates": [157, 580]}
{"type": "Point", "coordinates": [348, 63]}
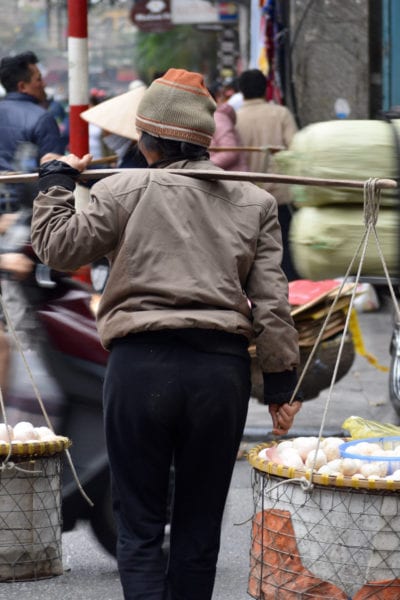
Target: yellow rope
{"type": "Point", "coordinates": [358, 342]}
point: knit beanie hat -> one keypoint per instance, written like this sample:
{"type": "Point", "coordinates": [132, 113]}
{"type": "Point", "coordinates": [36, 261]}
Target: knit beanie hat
{"type": "Point", "coordinates": [178, 106]}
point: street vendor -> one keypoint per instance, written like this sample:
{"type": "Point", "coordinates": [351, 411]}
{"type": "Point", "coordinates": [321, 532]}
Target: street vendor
{"type": "Point", "coordinates": [194, 275]}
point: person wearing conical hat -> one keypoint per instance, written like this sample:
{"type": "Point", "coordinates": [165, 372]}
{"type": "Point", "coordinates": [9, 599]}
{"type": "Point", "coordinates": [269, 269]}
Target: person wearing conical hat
{"type": "Point", "coordinates": [195, 275]}
{"type": "Point", "coordinates": [115, 118]}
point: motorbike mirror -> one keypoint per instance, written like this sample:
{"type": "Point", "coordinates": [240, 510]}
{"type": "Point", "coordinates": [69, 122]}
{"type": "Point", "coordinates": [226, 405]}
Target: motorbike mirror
{"type": "Point", "coordinates": [43, 276]}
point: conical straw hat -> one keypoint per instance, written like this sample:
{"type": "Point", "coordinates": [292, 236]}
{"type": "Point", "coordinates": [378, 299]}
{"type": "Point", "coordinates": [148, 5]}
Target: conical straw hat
{"type": "Point", "coordinates": [118, 114]}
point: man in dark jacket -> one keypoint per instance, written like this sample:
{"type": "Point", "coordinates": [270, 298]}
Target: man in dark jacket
{"type": "Point", "coordinates": [28, 131]}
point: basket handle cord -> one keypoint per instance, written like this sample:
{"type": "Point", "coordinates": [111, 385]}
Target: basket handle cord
{"type": "Point", "coordinates": [6, 463]}
{"type": "Point", "coordinates": [371, 212]}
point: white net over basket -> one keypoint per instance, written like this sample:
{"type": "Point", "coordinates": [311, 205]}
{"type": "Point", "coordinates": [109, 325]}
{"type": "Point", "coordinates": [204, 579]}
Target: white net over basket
{"type": "Point", "coordinates": [326, 543]}
{"type": "Point", "coordinates": [30, 519]}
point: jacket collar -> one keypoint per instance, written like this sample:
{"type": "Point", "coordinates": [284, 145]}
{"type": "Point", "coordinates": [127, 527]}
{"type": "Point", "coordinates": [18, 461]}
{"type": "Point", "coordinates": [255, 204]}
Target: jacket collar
{"type": "Point", "coordinates": [21, 97]}
{"type": "Point", "coordinates": [178, 163]}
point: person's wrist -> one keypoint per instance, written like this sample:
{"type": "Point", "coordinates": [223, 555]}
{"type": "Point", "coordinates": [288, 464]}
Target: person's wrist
{"type": "Point", "coordinates": [279, 387]}
{"type": "Point", "coordinates": [57, 173]}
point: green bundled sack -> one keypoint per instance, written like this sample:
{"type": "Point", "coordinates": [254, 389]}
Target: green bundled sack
{"type": "Point", "coordinates": [342, 149]}
{"type": "Point", "coordinates": [324, 239]}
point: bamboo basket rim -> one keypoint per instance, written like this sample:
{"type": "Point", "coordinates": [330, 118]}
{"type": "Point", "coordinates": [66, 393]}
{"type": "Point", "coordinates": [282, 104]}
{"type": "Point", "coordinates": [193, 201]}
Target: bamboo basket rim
{"type": "Point", "coordinates": [335, 481]}
{"type": "Point", "coordinates": [34, 448]}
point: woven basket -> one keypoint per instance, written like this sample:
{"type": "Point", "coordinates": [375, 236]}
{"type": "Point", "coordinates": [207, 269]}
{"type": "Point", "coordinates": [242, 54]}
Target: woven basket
{"type": "Point", "coordinates": [337, 540]}
{"type": "Point", "coordinates": [339, 481]}
{"type": "Point", "coordinates": [30, 510]}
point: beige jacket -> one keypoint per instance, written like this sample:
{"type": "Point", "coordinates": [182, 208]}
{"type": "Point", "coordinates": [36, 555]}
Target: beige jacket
{"type": "Point", "coordinates": [184, 253]}
{"type": "Point", "coordinates": [260, 123]}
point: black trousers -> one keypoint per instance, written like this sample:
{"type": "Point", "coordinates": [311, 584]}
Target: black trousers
{"type": "Point", "coordinates": [167, 401]}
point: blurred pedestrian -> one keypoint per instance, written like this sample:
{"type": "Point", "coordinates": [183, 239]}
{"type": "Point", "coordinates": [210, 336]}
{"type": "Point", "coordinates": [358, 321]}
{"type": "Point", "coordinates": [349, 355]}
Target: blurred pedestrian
{"type": "Point", "coordinates": [226, 135]}
{"type": "Point", "coordinates": [186, 255]}
{"type": "Point", "coordinates": [232, 94]}
{"type": "Point", "coordinates": [115, 118]}
{"type": "Point", "coordinates": [265, 124]}
{"type": "Point", "coordinates": [28, 131]}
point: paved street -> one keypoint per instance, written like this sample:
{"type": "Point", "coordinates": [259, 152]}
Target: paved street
{"type": "Point", "coordinates": [90, 574]}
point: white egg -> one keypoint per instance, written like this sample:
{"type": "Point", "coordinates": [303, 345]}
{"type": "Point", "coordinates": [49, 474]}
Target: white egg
{"type": "Point", "coordinates": [332, 440]}
{"type": "Point", "coordinates": [304, 445]}
{"type": "Point", "coordinates": [45, 432]}
{"type": "Point", "coordinates": [331, 468]}
{"type": "Point", "coordinates": [395, 475]}
{"type": "Point", "coordinates": [48, 438]}
{"type": "Point", "coordinates": [374, 469]}
{"type": "Point", "coordinates": [291, 458]}
{"type": "Point", "coordinates": [23, 425]}
{"type": "Point", "coordinates": [316, 460]}
{"type": "Point", "coordinates": [362, 448]}
{"type": "Point", "coordinates": [6, 433]}
{"type": "Point", "coordinates": [285, 444]}
{"type": "Point", "coordinates": [380, 452]}
{"type": "Point", "coordinates": [390, 453]}
{"type": "Point", "coordinates": [373, 449]}
{"type": "Point", "coordinates": [24, 432]}
{"type": "Point", "coordinates": [330, 446]}
{"type": "Point", "coordinates": [336, 464]}
{"type": "Point", "coordinates": [350, 466]}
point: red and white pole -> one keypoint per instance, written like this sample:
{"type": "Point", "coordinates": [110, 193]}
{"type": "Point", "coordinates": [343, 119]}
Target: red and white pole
{"type": "Point", "coordinates": [78, 75]}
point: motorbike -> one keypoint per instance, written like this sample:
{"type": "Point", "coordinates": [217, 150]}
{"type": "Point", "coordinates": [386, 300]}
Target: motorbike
{"type": "Point", "coordinates": [69, 348]}
{"type": "Point", "coordinates": [394, 371]}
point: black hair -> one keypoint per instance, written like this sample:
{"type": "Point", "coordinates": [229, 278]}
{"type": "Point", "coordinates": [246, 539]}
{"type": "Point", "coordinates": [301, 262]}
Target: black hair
{"type": "Point", "coordinates": [14, 69]}
{"type": "Point", "coordinates": [252, 84]}
{"type": "Point", "coordinates": [215, 88]}
{"type": "Point", "coordinates": [173, 149]}
{"type": "Point", "coordinates": [232, 83]}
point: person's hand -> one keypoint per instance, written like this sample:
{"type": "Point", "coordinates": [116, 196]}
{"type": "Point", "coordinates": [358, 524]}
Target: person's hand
{"type": "Point", "coordinates": [282, 416]}
{"type": "Point", "coordinates": [80, 164]}
{"type": "Point", "coordinates": [18, 264]}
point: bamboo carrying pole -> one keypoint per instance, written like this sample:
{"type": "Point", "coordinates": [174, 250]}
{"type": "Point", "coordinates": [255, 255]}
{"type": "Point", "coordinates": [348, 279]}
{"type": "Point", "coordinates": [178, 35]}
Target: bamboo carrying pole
{"type": "Point", "coordinates": [271, 149]}
{"type": "Point", "coordinates": [216, 175]}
